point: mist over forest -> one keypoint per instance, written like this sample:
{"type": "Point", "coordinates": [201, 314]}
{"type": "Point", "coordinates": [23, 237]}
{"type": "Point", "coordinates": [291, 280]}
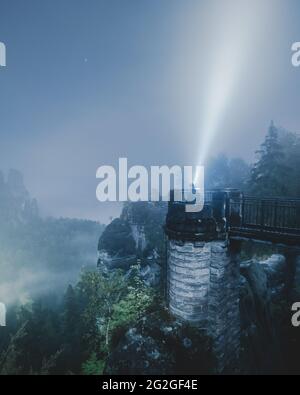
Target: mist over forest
{"type": "Point", "coordinates": [39, 255]}
{"type": "Point", "coordinates": [48, 276]}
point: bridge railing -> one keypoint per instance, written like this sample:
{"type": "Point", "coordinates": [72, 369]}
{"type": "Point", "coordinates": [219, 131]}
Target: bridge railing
{"type": "Point", "coordinates": [269, 214]}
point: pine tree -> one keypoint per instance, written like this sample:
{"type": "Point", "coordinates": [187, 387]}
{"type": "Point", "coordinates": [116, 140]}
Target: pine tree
{"type": "Point", "coordinates": [71, 313]}
{"type": "Point", "coordinates": [291, 144]}
{"type": "Point", "coordinates": [71, 331]}
{"type": "Point", "coordinates": [269, 172]}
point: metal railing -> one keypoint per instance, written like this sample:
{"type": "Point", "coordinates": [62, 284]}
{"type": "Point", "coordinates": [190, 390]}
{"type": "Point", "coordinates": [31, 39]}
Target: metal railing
{"type": "Point", "coordinates": [269, 214]}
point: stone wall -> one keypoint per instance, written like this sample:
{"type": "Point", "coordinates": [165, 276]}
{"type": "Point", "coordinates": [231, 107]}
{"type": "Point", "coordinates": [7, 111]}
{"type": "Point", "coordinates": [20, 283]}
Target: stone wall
{"type": "Point", "coordinates": [223, 311]}
{"type": "Point", "coordinates": [188, 280]}
{"type": "Point", "coordinates": [203, 289]}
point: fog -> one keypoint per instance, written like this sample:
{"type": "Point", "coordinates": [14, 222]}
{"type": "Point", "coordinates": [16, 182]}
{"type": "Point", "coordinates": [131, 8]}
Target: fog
{"type": "Point", "coordinates": [160, 83]}
{"type": "Point", "coordinates": [39, 255]}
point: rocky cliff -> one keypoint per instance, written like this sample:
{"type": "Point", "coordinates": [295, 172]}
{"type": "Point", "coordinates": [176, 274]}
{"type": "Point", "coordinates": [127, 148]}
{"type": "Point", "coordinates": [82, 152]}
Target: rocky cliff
{"type": "Point", "coordinates": [266, 294]}
{"type": "Point", "coordinates": [16, 205]}
{"type": "Point", "coordinates": [160, 344]}
{"type": "Point", "coordinates": [136, 237]}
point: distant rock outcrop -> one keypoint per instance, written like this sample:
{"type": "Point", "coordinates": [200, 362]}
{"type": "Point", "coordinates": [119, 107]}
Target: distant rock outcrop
{"type": "Point", "coordinates": [16, 205]}
{"type": "Point", "coordinates": [39, 255]}
{"type": "Point", "coordinates": [135, 238]}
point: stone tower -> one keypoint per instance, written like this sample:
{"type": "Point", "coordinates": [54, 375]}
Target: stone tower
{"type": "Point", "coordinates": [203, 272]}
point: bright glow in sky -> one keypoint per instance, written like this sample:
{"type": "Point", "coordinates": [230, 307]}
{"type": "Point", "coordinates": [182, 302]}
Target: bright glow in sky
{"type": "Point", "coordinates": [159, 82]}
{"type": "Point", "coordinates": [233, 35]}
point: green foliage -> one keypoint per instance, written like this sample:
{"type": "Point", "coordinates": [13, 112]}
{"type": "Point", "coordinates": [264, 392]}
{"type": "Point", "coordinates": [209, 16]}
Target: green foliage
{"type": "Point", "coordinates": [98, 294]}
{"type": "Point", "coordinates": [9, 357]}
{"type": "Point", "coordinates": [75, 337]}
{"type": "Point", "coordinates": [133, 306]}
{"type": "Point", "coordinates": [93, 366]}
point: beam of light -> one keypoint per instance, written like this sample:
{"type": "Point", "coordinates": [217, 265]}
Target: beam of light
{"type": "Point", "coordinates": [224, 78]}
{"type": "Point", "coordinates": [233, 39]}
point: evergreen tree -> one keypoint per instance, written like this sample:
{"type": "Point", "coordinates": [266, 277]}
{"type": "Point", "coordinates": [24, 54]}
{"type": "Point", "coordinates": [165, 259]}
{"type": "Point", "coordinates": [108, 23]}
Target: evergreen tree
{"type": "Point", "coordinates": [269, 172]}
{"type": "Point", "coordinates": [71, 330]}
{"type": "Point", "coordinates": [10, 358]}
{"type": "Point", "coordinates": [70, 313]}
{"type": "Point", "coordinates": [291, 145]}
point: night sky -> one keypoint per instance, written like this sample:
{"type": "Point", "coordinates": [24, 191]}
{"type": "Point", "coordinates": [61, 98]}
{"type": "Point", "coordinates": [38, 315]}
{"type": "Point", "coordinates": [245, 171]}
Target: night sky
{"type": "Point", "coordinates": [155, 81]}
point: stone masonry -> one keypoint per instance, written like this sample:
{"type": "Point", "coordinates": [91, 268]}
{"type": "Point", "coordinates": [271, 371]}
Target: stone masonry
{"type": "Point", "coordinates": [203, 289]}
